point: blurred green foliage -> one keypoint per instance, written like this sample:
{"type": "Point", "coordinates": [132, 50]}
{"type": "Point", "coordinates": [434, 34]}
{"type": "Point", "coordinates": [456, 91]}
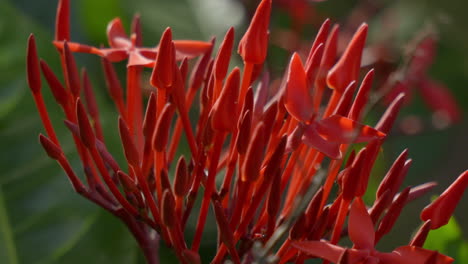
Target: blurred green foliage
{"type": "Point", "coordinates": [43, 221]}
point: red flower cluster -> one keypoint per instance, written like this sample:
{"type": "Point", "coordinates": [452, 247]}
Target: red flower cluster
{"type": "Point", "coordinates": [267, 147]}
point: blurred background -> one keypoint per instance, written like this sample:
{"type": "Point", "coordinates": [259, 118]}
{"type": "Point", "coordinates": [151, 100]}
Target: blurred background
{"type": "Point", "coordinates": [43, 221]}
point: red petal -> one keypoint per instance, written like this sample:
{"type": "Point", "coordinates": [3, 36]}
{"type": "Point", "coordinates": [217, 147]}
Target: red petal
{"type": "Point", "coordinates": [298, 101]}
{"type": "Point", "coordinates": [137, 59]}
{"type": "Point", "coordinates": [344, 130]}
{"type": "Point", "coordinates": [116, 35]}
{"type": "Point", "coordinates": [440, 211]}
{"type": "Point", "coordinates": [361, 229]}
{"type": "Point", "coordinates": [314, 140]}
{"type": "Point", "coordinates": [347, 68]}
{"type": "Point", "coordinates": [114, 55]}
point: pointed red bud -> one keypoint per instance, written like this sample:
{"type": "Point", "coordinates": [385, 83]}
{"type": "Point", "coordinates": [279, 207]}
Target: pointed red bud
{"type": "Point", "coordinates": [390, 115]}
{"type": "Point", "coordinates": [352, 181]}
{"type": "Point", "coordinates": [440, 210]}
{"type": "Point", "coordinates": [276, 158]}
{"type": "Point", "coordinates": [223, 57]}
{"type": "Point", "coordinates": [32, 62]}
{"type": "Point", "coordinates": [130, 150]}
{"type": "Point", "coordinates": [298, 228]}
{"type": "Point", "coordinates": [163, 71]}
{"type": "Point", "coordinates": [254, 155]}
{"type": "Point", "coordinates": [362, 97]}
{"type": "Point", "coordinates": [161, 132]}
{"type": "Point", "coordinates": [392, 214]}
{"type": "Point", "coordinates": [320, 39]}
{"type": "Point", "coordinates": [128, 183]}
{"type": "Point", "coordinates": [53, 151]}
{"type": "Point", "coordinates": [312, 67]}
{"type": "Point", "coordinates": [361, 228]}
{"type": "Point", "coordinates": [73, 79]}
{"type": "Point", "coordinates": [62, 21]}
{"type": "Point", "coordinates": [347, 68]}
{"type": "Point", "coordinates": [328, 58]}
{"type": "Point", "coordinates": [298, 100]}
{"type": "Point", "coordinates": [420, 237]}
{"type": "Point", "coordinates": [342, 108]}
{"type": "Point", "coordinates": [59, 92]}
{"type": "Point", "coordinates": [244, 133]}
{"type": "Point", "coordinates": [181, 180]}
{"type": "Point", "coordinates": [167, 210]}
{"type": "Point", "coordinates": [86, 130]}
{"type": "Point", "coordinates": [149, 122]}
{"type": "Point", "coordinates": [225, 108]}
{"type": "Point", "coordinates": [274, 197]}
{"type": "Point", "coordinates": [392, 178]}
{"type": "Point", "coordinates": [254, 44]}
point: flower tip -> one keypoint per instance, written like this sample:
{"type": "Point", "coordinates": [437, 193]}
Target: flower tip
{"type": "Point", "coordinates": [253, 45]}
{"type": "Point", "coordinates": [50, 147]}
{"type": "Point", "coordinates": [32, 62]}
{"type": "Point", "coordinates": [86, 131]}
{"type": "Point", "coordinates": [62, 21]}
{"type": "Point", "coordinates": [347, 68]}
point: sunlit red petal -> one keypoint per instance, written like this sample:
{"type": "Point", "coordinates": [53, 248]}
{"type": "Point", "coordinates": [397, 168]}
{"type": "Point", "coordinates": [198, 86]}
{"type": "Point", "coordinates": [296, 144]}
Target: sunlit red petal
{"type": "Point", "coordinates": [344, 130]}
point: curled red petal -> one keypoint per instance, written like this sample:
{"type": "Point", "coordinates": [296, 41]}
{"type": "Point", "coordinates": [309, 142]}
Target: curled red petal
{"type": "Point", "coordinates": [116, 35]}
